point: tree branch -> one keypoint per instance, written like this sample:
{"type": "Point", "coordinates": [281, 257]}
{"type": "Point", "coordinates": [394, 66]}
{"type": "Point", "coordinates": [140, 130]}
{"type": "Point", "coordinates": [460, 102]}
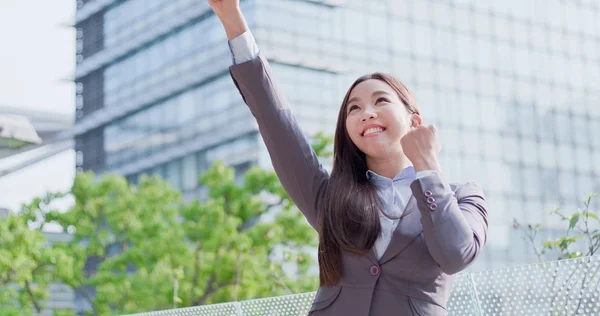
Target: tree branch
{"type": "Point", "coordinates": [8, 278]}
{"type": "Point", "coordinates": [88, 298]}
{"type": "Point", "coordinates": [227, 203]}
{"type": "Point", "coordinates": [208, 290]}
{"type": "Point", "coordinates": [196, 268]}
{"type": "Point", "coordinates": [252, 221]}
{"type": "Point", "coordinates": [212, 291]}
{"type": "Point", "coordinates": [36, 305]}
{"type": "Point", "coordinates": [281, 282]}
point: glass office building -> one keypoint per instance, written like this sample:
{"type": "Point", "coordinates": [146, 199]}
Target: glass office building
{"type": "Point", "coordinates": [513, 87]}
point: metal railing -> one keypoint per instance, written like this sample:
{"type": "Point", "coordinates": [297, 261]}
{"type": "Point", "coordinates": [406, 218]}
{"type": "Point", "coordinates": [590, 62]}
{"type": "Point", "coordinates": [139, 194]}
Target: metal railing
{"type": "Point", "coordinates": [566, 287]}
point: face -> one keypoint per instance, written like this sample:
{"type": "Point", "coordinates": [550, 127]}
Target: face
{"type": "Point", "coordinates": [377, 119]}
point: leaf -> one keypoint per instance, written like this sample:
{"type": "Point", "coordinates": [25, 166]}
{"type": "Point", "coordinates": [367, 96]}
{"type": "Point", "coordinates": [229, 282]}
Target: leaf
{"type": "Point", "coordinates": [573, 255]}
{"type": "Point", "coordinates": [574, 220]}
{"type": "Point", "coordinates": [592, 215]}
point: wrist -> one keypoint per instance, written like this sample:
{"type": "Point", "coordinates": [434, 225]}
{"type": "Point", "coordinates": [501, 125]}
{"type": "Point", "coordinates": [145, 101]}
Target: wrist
{"type": "Point", "coordinates": [234, 24]}
{"type": "Point", "coordinates": [427, 164]}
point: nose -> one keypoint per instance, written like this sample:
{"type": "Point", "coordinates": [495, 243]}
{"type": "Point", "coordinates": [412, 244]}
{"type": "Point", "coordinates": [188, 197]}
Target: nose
{"type": "Point", "coordinates": [368, 114]}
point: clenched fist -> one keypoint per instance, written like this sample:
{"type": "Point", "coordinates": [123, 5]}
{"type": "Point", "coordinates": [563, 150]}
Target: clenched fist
{"type": "Point", "coordinates": [422, 147]}
{"type": "Point", "coordinates": [224, 8]}
{"type": "Point", "coordinates": [228, 11]}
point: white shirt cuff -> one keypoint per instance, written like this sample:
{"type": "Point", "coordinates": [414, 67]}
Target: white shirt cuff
{"type": "Point", "coordinates": [243, 48]}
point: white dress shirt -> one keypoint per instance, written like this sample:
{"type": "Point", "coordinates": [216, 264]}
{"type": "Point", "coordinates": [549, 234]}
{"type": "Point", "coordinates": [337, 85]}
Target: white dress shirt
{"type": "Point", "coordinates": [394, 193]}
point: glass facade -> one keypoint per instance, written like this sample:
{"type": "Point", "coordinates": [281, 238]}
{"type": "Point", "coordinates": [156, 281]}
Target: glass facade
{"type": "Point", "coordinates": [511, 85]}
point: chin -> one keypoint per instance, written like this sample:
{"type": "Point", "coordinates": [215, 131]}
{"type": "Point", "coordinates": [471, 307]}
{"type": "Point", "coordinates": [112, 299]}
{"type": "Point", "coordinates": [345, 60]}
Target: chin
{"type": "Point", "coordinates": [374, 150]}
{"type": "Point", "coordinates": [378, 150]}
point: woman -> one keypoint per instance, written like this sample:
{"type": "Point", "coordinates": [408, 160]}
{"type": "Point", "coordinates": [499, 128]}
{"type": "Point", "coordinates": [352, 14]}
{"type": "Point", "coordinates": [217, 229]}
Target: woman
{"type": "Point", "coordinates": [392, 231]}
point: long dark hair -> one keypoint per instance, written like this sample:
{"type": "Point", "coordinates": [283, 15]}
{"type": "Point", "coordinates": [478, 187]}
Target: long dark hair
{"type": "Point", "coordinates": [349, 206]}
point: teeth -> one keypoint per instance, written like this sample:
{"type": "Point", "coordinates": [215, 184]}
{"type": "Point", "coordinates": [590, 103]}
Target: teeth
{"type": "Point", "coordinates": [373, 130]}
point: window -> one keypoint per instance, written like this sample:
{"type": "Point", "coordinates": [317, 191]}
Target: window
{"type": "Point", "coordinates": [471, 143]}
{"type": "Point", "coordinates": [425, 71]}
{"type": "Point", "coordinates": [498, 173]}
{"type": "Point", "coordinates": [583, 160]}
{"type": "Point", "coordinates": [470, 108]}
{"type": "Point", "coordinates": [423, 41]}
{"type": "Point", "coordinates": [511, 149]}
{"type": "Point", "coordinates": [548, 156]}
{"type": "Point", "coordinates": [401, 36]}
{"type": "Point", "coordinates": [354, 30]}
{"type": "Point", "coordinates": [503, 56]}
{"type": "Point", "coordinates": [566, 157]}
{"type": "Point", "coordinates": [526, 120]}
{"type": "Point", "coordinates": [92, 35]}
{"type": "Point", "coordinates": [491, 145]}
{"type": "Point", "coordinates": [422, 11]}
{"type": "Point", "coordinates": [448, 137]}
{"type": "Point", "coordinates": [447, 76]}
{"type": "Point", "coordinates": [92, 93]}
{"type": "Point", "coordinates": [377, 31]}
{"type": "Point", "coordinates": [533, 179]}
{"type": "Point", "coordinates": [466, 80]}
{"type": "Point", "coordinates": [174, 173]}
{"type": "Point", "coordinates": [401, 8]}
{"type": "Point", "coordinates": [189, 172]}
{"type": "Point", "coordinates": [463, 20]}
{"type": "Point", "coordinates": [567, 184]}
{"type": "Point", "coordinates": [522, 61]}
{"type": "Point", "coordinates": [483, 55]}
{"type": "Point", "coordinates": [521, 32]}
{"type": "Point", "coordinates": [441, 16]}
{"type": "Point", "coordinates": [529, 151]}
{"type": "Point", "coordinates": [584, 184]}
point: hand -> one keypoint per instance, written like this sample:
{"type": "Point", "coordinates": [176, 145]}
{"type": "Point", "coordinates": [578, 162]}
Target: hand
{"type": "Point", "coordinates": [225, 8]}
{"type": "Point", "coordinates": [228, 11]}
{"type": "Point", "coordinates": [422, 147]}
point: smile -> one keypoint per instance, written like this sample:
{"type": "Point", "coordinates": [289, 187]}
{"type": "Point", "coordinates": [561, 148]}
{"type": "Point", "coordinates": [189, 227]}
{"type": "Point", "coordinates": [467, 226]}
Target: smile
{"type": "Point", "coordinates": [373, 131]}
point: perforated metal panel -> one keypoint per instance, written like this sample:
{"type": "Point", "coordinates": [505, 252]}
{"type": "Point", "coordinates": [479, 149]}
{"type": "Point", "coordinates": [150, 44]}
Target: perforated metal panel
{"type": "Point", "coordinates": [568, 287]}
{"type": "Point", "coordinates": [226, 309]}
{"type": "Point", "coordinates": [461, 301]}
{"type": "Point", "coordinates": [291, 305]}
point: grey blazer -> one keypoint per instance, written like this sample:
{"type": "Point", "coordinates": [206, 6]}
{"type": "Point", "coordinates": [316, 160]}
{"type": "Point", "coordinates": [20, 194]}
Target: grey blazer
{"type": "Point", "coordinates": [443, 229]}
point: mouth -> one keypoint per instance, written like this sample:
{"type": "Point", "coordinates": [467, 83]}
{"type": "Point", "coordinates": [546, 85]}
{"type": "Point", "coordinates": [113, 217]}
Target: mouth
{"type": "Point", "coordinates": [372, 131]}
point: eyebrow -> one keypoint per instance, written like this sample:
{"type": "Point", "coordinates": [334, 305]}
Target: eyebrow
{"type": "Point", "coordinates": [378, 92]}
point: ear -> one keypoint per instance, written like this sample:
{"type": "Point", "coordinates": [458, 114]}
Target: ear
{"type": "Point", "coordinates": [415, 120]}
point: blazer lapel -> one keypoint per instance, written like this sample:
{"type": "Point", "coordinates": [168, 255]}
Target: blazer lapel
{"type": "Point", "coordinates": [407, 230]}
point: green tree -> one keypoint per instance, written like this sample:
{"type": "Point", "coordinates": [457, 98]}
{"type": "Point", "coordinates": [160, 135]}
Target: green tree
{"type": "Point", "coordinates": [26, 263]}
{"type": "Point", "coordinates": [127, 242]}
{"type": "Point", "coordinates": [140, 248]}
{"type": "Point", "coordinates": [235, 233]}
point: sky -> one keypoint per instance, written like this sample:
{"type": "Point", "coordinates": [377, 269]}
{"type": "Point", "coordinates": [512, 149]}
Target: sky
{"type": "Point", "coordinates": [37, 60]}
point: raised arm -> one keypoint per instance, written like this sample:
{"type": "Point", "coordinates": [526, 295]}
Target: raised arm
{"type": "Point", "coordinates": [454, 220]}
{"type": "Point", "coordinates": [294, 160]}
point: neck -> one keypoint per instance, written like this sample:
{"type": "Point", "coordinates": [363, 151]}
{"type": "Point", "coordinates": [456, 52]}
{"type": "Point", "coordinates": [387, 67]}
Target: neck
{"type": "Point", "coordinates": [389, 166]}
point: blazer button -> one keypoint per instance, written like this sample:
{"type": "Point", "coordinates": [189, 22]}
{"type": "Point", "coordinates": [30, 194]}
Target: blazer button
{"type": "Point", "coordinates": [428, 193]}
{"type": "Point", "coordinates": [430, 199]}
{"type": "Point", "coordinates": [432, 206]}
{"type": "Point", "coordinates": [374, 270]}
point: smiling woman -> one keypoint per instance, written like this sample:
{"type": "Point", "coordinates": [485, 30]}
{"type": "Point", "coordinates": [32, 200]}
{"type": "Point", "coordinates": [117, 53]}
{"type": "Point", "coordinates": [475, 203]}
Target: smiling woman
{"type": "Point", "coordinates": [392, 230]}
{"type": "Point", "coordinates": [387, 114]}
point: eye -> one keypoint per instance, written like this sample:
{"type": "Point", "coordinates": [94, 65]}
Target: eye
{"type": "Point", "coordinates": [382, 98]}
{"type": "Point", "coordinates": [353, 107]}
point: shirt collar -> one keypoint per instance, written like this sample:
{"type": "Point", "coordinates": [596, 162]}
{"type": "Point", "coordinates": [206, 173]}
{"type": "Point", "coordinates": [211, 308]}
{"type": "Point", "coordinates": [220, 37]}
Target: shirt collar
{"type": "Point", "coordinates": [407, 173]}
